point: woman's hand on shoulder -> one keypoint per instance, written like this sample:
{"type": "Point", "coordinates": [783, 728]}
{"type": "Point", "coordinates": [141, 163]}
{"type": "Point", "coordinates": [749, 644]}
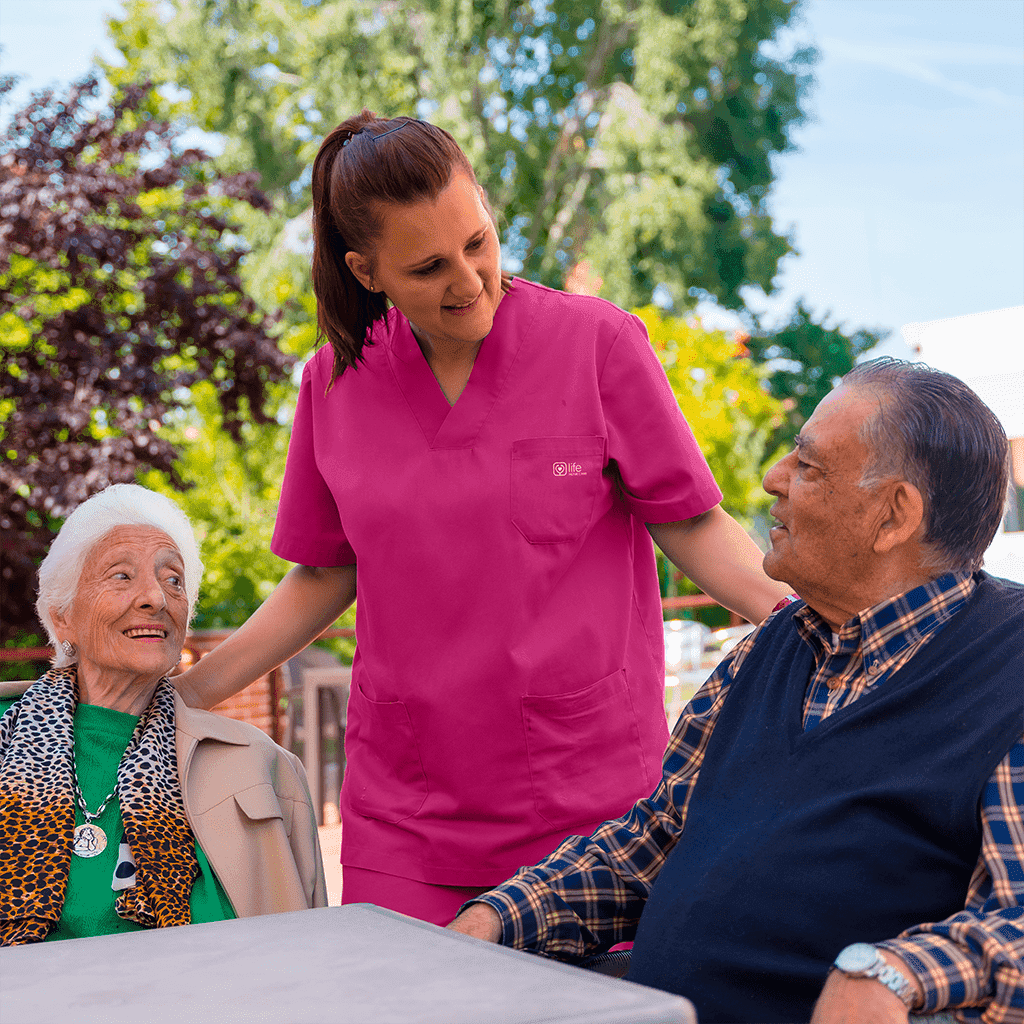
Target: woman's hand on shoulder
{"type": "Point", "coordinates": [301, 607]}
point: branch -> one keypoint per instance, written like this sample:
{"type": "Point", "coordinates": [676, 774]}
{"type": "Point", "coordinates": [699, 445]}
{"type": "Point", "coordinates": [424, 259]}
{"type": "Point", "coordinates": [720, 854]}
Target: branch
{"type": "Point", "coordinates": [612, 37]}
{"type": "Point", "coordinates": [564, 218]}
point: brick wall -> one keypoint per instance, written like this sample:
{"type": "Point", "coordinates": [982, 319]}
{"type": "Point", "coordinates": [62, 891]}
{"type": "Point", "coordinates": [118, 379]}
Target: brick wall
{"type": "Point", "coordinates": [256, 704]}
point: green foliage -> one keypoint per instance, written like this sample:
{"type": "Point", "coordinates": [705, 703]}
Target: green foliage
{"type": "Point", "coordinates": [231, 499]}
{"type": "Point", "coordinates": [806, 359]}
{"type": "Point", "coordinates": [629, 139]}
{"type": "Point", "coordinates": [119, 288]}
{"type": "Point", "coordinates": [725, 400]}
{"type": "Point", "coordinates": [634, 134]}
{"type": "Point", "coordinates": [22, 669]}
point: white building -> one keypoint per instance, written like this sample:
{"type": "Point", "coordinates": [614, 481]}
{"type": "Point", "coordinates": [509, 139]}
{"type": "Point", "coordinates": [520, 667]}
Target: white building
{"type": "Point", "coordinates": [986, 350]}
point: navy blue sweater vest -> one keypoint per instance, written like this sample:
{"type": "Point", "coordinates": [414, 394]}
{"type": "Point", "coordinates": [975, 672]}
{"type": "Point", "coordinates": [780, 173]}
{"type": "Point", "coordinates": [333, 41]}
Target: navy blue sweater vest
{"type": "Point", "coordinates": [798, 843]}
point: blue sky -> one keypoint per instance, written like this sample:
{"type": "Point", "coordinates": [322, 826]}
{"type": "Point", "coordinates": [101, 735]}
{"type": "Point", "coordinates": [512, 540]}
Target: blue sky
{"type": "Point", "coordinates": [906, 196]}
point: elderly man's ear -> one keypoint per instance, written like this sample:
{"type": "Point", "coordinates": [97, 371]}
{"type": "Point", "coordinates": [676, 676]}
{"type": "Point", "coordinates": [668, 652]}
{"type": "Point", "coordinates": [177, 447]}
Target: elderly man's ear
{"type": "Point", "coordinates": [902, 517]}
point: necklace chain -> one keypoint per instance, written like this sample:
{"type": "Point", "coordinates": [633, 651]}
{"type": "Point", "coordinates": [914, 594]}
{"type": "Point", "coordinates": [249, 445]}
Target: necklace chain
{"type": "Point", "coordinates": [89, 816]}
{"type": "Point", "coordinates": [86, 813]}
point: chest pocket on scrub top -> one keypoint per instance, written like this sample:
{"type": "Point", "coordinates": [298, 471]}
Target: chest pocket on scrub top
{"type": "Point", "coordinates": [555, 482]}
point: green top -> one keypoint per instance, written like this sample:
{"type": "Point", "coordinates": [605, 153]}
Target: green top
{"type": "Point", "coordinates": [101, 737]}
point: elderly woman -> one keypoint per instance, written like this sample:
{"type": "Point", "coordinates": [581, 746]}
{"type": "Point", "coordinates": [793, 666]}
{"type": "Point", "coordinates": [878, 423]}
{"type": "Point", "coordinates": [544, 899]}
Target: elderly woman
{"type": "Point", "coordinates": [120, 807]}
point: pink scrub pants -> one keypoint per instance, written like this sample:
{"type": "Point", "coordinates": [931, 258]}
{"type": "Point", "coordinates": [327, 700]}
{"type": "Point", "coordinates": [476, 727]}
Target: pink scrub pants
{"type": "Point", "coordinates": [437, 904]}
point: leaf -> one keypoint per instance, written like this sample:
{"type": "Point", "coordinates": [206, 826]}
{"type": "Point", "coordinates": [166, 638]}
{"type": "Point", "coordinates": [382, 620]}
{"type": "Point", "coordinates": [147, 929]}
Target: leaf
{"type": "Point", "coordinates": [120, 290]}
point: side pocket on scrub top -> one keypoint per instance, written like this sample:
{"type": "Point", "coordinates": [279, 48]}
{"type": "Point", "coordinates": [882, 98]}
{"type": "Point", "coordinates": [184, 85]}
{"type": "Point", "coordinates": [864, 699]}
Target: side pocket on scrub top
{"type": "Point", "coordinates": [384, 773]}
{"type": "Point", "coordinates": [555, 481]}
{"type": "Point", "coordinates": [586, 763]}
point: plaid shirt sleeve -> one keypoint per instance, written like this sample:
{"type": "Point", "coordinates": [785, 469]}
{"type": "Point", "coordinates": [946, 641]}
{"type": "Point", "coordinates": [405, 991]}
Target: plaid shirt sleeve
{"type": "Point", "coordinates": [589, 894]}
{"type": "Point", "coordinates": [977, 956]}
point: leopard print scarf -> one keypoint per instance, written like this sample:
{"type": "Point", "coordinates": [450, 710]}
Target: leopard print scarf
{"type": "Point", "coordinates": [37, 812]}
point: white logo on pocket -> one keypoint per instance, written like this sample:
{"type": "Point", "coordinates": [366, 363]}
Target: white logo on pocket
{"type": "Point", "coordinates": [560, 469]}
{"type": "Point", "coordinates": [568, 469]}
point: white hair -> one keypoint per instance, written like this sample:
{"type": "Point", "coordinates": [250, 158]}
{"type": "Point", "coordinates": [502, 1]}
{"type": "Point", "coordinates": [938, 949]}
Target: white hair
{"type": "Point", "coordinates": [116, 506]}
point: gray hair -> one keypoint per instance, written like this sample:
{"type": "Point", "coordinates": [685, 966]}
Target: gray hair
{"type": "Point", "coordinates": [116, 506]}
{"type": "Point", "coordinates": [934, 432]}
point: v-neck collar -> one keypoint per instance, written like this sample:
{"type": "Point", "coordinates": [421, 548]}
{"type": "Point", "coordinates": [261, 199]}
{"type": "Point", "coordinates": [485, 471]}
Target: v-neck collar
{"type": "Point", "coordinates": [458, 425]}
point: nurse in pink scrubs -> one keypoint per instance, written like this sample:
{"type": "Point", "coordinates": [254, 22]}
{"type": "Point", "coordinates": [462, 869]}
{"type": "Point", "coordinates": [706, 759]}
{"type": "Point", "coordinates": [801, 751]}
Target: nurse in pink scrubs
{"type": "Point", "coordinates": [485, 461]}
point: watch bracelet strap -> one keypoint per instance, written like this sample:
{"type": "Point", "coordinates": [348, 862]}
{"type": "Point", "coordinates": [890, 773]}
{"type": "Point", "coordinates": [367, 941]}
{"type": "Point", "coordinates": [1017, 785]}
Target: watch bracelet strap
{"type": "Point", "coordinates": [897, 983]}
{"type": "Point", "coordinates": [891, 977]}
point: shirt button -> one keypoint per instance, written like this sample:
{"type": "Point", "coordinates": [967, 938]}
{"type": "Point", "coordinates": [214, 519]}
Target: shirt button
{"type": "Point", "coordinates": [833, 683]}
{"type": "Point", "coordinates": [873, 668]}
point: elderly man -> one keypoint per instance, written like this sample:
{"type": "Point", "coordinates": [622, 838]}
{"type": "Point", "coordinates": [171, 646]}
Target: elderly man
{"type": "Point", "coordinates": [846, 789]}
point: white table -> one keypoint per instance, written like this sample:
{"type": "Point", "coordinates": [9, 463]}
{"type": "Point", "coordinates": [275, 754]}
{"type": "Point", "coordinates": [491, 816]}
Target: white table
{"type": "Point", "coordinates": [339, 965]}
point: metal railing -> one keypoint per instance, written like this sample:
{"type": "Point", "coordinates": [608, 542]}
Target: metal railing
{"type": "Point", "coordinates": [203, 641]}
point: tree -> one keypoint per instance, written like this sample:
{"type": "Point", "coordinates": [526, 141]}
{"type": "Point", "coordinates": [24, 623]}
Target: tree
{"type": "Point", "coordinates": [725, 399]}
{"type": "Point", "coordinates": [119, 290]}
{"type": "Point", "coordinates": [806, 359]}
{"type": "Point", "coordinates": [635, 134]}
{"type": "Point", "coordinates": [232, 502]}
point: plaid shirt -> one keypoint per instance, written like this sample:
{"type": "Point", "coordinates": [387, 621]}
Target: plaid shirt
{"type": "Point", "coordinates": [590, 893]}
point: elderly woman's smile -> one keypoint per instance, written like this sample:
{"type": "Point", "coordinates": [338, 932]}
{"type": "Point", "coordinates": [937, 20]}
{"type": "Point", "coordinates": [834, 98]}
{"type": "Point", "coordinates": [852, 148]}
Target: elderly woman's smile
{"type": "Point", "coordinates": [128, 617]}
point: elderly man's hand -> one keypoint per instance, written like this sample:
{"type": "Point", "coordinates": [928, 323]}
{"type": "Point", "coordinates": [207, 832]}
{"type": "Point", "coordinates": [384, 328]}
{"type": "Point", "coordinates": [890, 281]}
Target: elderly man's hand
{"type": "Point", "coordinates": [480, 921]}
{"type": "Point", "coordinates": [846, 1000]}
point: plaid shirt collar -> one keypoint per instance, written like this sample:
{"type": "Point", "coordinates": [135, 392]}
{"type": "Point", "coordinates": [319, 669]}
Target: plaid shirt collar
{"type": "Point", "coordinates": [881, 632]}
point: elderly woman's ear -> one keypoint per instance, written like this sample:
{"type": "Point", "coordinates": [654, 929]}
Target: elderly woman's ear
{"type": "Point", "coordinates": [60, 620]}
{"type": "Point", "coordinates": [66, 643]}
{"type": "Point", "coordinates": [66, 646]}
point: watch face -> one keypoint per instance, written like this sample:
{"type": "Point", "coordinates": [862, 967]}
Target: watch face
{"type": "Point", "coordinates": [858, 957]}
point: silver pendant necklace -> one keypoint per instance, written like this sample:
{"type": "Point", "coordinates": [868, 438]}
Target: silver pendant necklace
{"type": "Point", "coordinates": [89, 839]}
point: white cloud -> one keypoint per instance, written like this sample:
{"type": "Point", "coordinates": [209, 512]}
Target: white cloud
{"type": "Point", "coordinates": [907, 61]}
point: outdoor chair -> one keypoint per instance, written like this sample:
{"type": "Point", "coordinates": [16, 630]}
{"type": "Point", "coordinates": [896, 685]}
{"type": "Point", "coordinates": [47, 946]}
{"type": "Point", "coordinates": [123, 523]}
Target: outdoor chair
{"type": "Point", "coordinates": [615, 964]}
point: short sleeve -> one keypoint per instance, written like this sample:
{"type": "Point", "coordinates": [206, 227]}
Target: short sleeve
{"type": "Point", "coordinates": [308, 529]}
{"type": "Point", "coordinates": [665, 477]}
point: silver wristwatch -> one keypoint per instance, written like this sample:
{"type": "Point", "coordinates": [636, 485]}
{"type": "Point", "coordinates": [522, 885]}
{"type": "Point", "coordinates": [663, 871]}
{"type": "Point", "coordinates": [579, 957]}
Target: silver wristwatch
{"type": "Point", "coordinates": [863, 961]}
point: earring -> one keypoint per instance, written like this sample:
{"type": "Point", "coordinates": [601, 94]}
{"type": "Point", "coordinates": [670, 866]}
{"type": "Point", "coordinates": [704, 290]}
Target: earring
{"type": "Point", "coordinates": [68, 648]}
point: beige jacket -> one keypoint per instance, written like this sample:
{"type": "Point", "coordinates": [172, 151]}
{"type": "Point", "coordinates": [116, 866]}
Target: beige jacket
{"type": "Point", "coordinates": [249, 806]}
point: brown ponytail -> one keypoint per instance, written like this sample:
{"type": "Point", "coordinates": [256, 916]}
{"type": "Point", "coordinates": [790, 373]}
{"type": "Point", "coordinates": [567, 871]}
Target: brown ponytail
{"type": "Point", "coordinates": [356, 174]}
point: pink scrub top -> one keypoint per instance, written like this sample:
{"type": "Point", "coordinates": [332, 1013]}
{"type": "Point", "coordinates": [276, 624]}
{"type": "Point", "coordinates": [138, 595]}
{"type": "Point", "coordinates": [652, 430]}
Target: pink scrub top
{"type": "Point", "coordinates": [508, 682]}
